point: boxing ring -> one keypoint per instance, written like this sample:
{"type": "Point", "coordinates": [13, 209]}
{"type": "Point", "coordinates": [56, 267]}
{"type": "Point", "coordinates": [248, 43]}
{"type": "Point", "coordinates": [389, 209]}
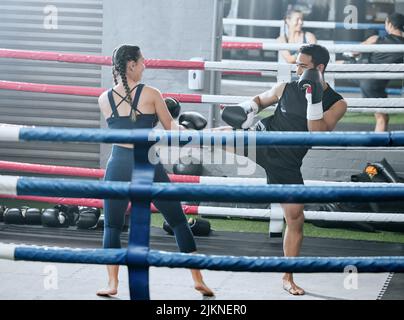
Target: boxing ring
{"type": "Point", "coordinates": [138, 257]}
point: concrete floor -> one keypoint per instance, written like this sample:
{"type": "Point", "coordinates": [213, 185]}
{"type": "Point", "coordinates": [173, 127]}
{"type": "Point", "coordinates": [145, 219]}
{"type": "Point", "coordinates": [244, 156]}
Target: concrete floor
{"type": "Point", "coordinates": [51, 281]}
{"type": "Point", "coordinates": [22, 280]}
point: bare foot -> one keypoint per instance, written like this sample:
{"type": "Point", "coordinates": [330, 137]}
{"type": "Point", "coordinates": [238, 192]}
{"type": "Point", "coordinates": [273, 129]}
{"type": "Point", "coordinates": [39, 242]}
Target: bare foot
{"type": "Point", "coordinates": [292, 288]}
{"type": "Point", "coordinates": [204, 289]}
{"type": "Point", "coordinates": [111, 290]}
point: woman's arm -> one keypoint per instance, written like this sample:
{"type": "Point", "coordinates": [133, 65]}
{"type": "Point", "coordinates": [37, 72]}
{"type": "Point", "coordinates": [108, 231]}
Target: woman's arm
{"type": "Point", "coordinates": [162, 112]}
{"type": "Point", "coordinates": [104, 106]}
{"type": "Point", "coordinates": [289, 58]}
{"type": "Point", "coordinates": [311, 38]}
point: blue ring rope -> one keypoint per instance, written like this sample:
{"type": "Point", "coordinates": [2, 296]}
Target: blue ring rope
{"type": "Point", "coordinates": [361, 26]}
{"type": "Point", "coordinates": [141, 136]}
{"type": "Point", "coordinates": [392, 91]}
{"type": "Point", "coordinates": [197, 192]}
{"type": "Point", "coordinates": [215, 262]}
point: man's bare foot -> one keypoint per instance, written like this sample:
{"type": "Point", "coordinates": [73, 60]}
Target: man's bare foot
{"type": "Point", "coordinates": [292, 288]}
{"type": "Point", "coordinates": [204, 289]}
{"type": "Point", "coordinates": [111, 290]}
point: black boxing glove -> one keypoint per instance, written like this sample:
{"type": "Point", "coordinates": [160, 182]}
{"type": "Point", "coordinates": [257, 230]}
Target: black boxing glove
{"type": "Point", "coordinates": [173, 106]}
{"type": "Point", "coordinates": [242, 115]}
{"type": "Point", "coordinates": [312, 82]}
{"type": "Point", "coordinates": [192, 120]}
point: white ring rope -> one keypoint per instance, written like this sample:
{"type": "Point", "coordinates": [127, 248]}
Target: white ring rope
{"type": "Point", "coordinates": [281, 23]}
{"type": "Point", "coordinates": [308, 215]}
{"type": "Point", "coordinates": [256, 84]}
{"type": "Point", "coordinates": [375, 102]}
{"type": "Point", "coordinates": [256, 22]}
{"type": "Point", "coordinates": [328, 77]}
{"type": "Point", "coordinates": [242, 65]}
{"type": "Point", "coordinates": [379, 110]}
{"type": "Point", "coordinates": [332, 48]}
{"type": "Point", "coordinates": [365, 75]}
{"type": "Point", "coordinates": [352, 102]}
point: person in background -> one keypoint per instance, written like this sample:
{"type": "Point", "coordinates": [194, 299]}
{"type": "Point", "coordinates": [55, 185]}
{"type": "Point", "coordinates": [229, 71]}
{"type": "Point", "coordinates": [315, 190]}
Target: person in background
{"type": "Point", "coordinates": [294, 33]}
{"type": "Point", "coordinates": [376, 88]}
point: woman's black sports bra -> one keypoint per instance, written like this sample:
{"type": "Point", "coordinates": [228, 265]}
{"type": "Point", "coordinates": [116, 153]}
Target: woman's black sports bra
{"type": "Point", "coordinates": [143, 121]}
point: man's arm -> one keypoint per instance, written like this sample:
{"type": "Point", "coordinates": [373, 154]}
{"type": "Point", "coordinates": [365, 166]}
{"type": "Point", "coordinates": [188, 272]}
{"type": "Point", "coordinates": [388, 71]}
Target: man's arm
{"type": "Point", "coordinates": [330, 117]}
{"type": "Point", "coordinates": [371, 40]}
{"type": "Point", "coordinates": [242, 115]}
{"type": "Point", "coordinates": [270, 97]}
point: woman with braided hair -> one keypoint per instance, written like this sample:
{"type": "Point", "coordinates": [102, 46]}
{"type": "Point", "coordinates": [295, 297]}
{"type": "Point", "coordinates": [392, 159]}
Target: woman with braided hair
{"type": "Point", "coordinates": [133, 105]}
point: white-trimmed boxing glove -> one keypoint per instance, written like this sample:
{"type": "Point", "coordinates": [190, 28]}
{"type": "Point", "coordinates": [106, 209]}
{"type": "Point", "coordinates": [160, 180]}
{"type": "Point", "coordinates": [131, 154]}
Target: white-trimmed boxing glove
{"type": "Point", "coordinates": [242, 115]}
{"type": "Point", "coordinates": [311, 82]}
{"type": "Point", "coordinates": [251, 108]}
{"type": "Point", "coordinates": [314, 109]}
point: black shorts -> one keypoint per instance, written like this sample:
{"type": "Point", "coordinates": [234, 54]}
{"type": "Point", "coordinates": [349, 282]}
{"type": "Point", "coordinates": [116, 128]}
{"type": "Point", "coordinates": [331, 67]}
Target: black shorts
{"type": "Point", "coordinates": [280, 175]}
{"type": "Point", "coordinates": [374, 88]}
{"type": "Point", "coordinates": [277, 171]}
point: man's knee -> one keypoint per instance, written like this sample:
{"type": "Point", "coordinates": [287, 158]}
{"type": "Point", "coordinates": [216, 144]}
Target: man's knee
{"type": "Point", "coordinates": [294, 214]}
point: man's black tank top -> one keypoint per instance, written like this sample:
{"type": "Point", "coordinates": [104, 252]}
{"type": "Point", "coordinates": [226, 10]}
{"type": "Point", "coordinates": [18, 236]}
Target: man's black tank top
{"type": "Point", "coordinates": [388, 57]}
{"type": "Point", "coordinates": [290, 115]}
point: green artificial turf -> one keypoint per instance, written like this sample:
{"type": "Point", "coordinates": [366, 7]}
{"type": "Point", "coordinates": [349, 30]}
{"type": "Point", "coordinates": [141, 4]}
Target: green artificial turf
{"type": "Point", "coordinates": [244, 225]}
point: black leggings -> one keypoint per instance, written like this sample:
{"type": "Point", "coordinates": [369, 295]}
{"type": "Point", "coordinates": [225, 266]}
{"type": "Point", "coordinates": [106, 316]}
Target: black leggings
{"type": "Point", "coordinates": [119, 168]}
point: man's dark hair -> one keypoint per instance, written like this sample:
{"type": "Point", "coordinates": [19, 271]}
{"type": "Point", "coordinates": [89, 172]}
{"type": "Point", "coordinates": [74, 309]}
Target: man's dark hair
{"type": "Point", "coordinates": [397, 20]}
{"type": "Point", "coordinates": [319, 54]}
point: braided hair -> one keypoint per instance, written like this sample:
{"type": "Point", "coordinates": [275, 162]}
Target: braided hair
{"type": "Point", "coordinates": [120, 58]}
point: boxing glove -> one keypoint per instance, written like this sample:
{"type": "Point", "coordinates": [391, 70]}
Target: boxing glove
{"type": "Point", "coordinates": [70, 211]}
{"type": "Point", "coordinates": [242, 115]}
{"type": "Point", "coordinates": [52, 217]}
{"type": "Point", "coordinates": [33, 216]}
{"type": "Point", "coordinates": [14, 216]}
{"type": "Point", "coordinates": [192, 120]}
{"type": "Point", "coordinates": [88, 218]}
{"type": "Point", "coordinates": [312, 82]}
{"type": "Point", "coordinates": [173, 106]}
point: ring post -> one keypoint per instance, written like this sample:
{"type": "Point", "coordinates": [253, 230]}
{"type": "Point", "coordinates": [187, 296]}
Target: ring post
{"type": "Point", "coordinates": [276, 222]}
{"type": "Point", "coordinates": [139, 236]}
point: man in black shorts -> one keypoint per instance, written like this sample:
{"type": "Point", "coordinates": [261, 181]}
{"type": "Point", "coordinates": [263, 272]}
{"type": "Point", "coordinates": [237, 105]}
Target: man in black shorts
{"type": "Point", "coordinates": [308, 104]}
